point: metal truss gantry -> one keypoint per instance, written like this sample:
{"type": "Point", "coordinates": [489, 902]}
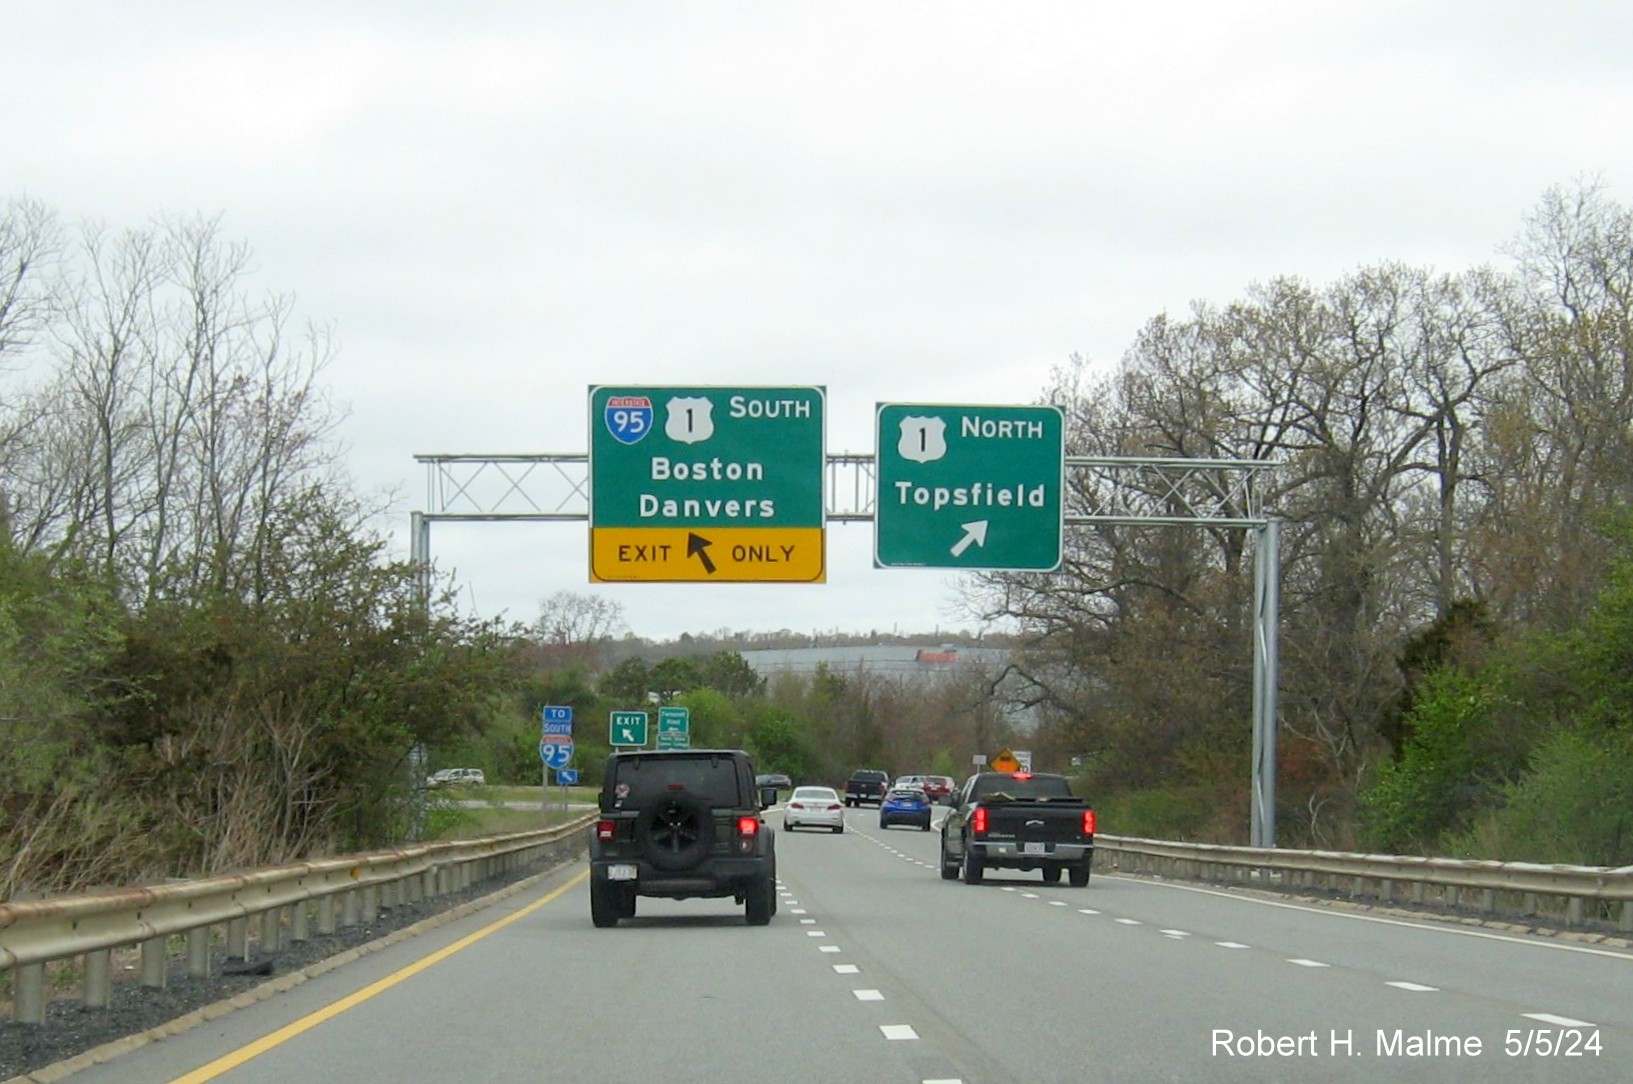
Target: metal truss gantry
{"type": "Point", "coordinates": [1132, 490]}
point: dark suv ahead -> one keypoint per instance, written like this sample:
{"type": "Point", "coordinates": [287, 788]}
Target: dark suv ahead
{"type": "Point", "coordinates": [679, 824]}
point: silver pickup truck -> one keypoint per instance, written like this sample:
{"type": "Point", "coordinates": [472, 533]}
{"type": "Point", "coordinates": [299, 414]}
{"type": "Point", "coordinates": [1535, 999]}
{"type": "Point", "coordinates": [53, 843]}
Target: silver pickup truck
{"type": "Point", "coordinates": [1018, 820]}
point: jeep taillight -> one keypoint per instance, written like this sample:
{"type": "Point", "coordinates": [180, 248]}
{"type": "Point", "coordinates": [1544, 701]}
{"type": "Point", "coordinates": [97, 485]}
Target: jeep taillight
{"type": "Point", "coordinates": [1088, 822]}
{"type": "Point", "coordinates": [747, 829]}
{"type": "Point", "coordinates": [978, 821]}
{"type": "Point", "coordinates": [605, 831]}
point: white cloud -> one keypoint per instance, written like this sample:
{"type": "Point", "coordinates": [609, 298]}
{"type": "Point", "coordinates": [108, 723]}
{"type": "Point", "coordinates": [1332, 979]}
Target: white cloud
{"type": "Point", "coordinates": [499, 203]}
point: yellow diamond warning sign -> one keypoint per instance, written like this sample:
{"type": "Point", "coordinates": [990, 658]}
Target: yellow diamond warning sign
{"type": "Point", "coordinates": [707, 555]}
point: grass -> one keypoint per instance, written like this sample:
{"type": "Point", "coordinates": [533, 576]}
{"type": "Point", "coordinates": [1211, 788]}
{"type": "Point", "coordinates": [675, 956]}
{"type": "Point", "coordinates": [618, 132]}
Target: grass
{"type": "Point", "coordinates": [448, 818]}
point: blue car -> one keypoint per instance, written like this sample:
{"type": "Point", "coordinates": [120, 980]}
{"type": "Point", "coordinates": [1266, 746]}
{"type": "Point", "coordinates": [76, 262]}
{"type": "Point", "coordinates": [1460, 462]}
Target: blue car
{"type": "Point", "coordinates": [905, 805]}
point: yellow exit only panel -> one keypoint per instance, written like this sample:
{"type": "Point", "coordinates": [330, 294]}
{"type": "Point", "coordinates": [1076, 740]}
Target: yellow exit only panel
{"type": "Point", "coordinates": [707, 555]}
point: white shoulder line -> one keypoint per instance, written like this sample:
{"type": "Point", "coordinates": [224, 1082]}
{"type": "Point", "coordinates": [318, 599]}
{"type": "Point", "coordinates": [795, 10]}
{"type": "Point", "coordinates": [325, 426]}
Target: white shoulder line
{"type": "Point", "coordinates": [1433, 927]}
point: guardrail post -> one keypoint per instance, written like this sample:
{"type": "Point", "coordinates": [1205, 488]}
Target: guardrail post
{"type": "Point", "coordinates": [153, 961]}
{"type": "Point", "coordinates": [326, 915]}
{"type": "Point", "coordinates": [98, 978]}
{"type": "Point", "coordinates": [1573, 911]}
{"type": "Point", "coordinates": [371, 903]}
{"type": "Point", "coordinates": [238, 938]}
{"type": "Point", "coordinates": [29, 998]}
{"type": "Point", "coordinates": [198, 952]}
{"type": "Point", "coordinates": [300, 920]}
{"type": "Point", "coordinates": [351, 909]}
{"type": "Point", "coordinates": [269, 931]}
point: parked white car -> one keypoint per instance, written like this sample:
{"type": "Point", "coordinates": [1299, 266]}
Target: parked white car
{"type": "Point", "coordinates": [458, 777]}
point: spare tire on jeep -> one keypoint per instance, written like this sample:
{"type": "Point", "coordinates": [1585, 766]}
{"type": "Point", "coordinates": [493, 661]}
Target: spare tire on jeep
{"type": "Point", "coordinates": [676, 833]}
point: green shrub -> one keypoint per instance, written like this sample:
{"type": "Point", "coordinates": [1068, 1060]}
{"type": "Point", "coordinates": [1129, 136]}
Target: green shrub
{"type": "Point", "coordinates": [1574, 806]}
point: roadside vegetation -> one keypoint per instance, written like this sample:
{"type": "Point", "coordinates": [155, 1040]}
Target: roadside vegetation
{"type": "Point", "coordinates": [208, 659]}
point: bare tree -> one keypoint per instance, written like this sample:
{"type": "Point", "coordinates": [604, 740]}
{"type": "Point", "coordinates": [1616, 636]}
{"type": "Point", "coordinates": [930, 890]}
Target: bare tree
{"type": "Point", "coordinates": [180, 412]}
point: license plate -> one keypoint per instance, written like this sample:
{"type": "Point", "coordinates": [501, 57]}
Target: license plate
{"type": "Point", "coordinates": [1034, 848]}
{"type": "Point", "coordinates": [621, 873]}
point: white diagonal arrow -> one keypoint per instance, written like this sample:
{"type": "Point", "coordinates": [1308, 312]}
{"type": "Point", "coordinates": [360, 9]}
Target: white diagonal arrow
{"type": "Point", "coordinates": [973, 533]}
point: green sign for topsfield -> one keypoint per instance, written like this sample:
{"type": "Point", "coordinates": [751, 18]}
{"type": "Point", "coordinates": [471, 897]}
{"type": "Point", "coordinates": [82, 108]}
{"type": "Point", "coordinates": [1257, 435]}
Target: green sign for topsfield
{"type": "Point", "coordinates": [969, 487]}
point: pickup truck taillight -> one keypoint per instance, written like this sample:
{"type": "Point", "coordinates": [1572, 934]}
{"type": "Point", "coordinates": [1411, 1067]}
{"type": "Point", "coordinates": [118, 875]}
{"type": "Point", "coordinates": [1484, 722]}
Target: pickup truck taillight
{"type": "Point", "coordinates": [605, 831]}
{"type": "Point", "coordinates": [1088, 822]}
{"type": "Point", "coordinates": [978, 820]}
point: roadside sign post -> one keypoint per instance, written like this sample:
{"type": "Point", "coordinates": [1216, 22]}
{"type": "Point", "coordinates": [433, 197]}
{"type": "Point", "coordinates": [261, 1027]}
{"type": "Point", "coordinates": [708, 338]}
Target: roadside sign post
{"type": "Point", "coordinates": [969, 487]}
{"type": "Point", "coordinates": [628, 728]}
{"type": "Point", "coordinates": [674, 728]}
{"type": "Point", "coordinates": [555, 751]}
{"type": "Point", "coordinates": [566, 777]}
{"type": "Point", "coordinates": [707, 485]}
{"type": "Point", "coordinates": [555, 724]}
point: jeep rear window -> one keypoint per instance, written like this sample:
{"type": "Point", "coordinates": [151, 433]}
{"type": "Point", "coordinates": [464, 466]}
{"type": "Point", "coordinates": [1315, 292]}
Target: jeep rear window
{"type": "Point", "coordinates": [713, 779]}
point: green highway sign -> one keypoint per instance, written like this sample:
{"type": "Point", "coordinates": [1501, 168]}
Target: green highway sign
{"type": "Point", "coordinates": [969, 487]}
{"type": "Point", "coordinates": [674, 728]}
{"type": "Point", "coordinates": [628, 728]}
{"type": "Point", "coordinates": [707, 485]}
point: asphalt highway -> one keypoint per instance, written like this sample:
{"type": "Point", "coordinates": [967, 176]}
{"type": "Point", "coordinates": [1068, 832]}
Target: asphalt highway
{"type": "Point", "coordinates": [875, 969]}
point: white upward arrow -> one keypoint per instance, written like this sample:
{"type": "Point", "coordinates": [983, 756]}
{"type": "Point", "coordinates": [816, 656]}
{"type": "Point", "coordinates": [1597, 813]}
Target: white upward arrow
{"type": "Point", "coordinates": [973, 533]}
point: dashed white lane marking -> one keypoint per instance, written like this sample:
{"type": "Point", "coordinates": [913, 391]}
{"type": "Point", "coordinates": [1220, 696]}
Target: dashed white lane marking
{"type": "Point", "coordinates": [1087, 911]}
{"type": "Point", "coordinates": [846, 969]}
{"type": "Point", "coordinates": [898, 1031]}
{"type": "Point", "coordinates": [1558, 1021]}
{"type": "Point", "coordinates": [1029, 895]}
{"type": "Point", "coordinates": [1308, 963]}
{"type": "Point", "coordinates": [1230, 944]}
{"type": "Point", "coordinates": [1011, 888]}
{"type": "Point", "coordinates": [797, 911]}
{"type": "Point", "coordinates": [1058, 903]}
{"type": "Point", "coordinates": [1413, 987]}
{"type": "Point", "coordinates": [1128, 922]}
{"type": "Point", "coordinates": [815, 933]}
{"type": "Point", "coordinates": [807, 922]}
{"type": "Point", "coordinates": [1175, 933]}
{"type": "Point", "coordinates": [830, 948]}
{"type": "Point", "coordinates": [868, 995]}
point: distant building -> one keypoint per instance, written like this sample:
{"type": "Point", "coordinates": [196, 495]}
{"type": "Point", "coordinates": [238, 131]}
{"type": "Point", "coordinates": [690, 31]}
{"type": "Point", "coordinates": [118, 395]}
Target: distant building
{"type": "Point", "coordinates": [902, 662]}
{"type": "Point", "coordinates": [927, 663]}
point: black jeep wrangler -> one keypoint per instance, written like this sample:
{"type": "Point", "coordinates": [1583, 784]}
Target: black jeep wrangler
{"type": "Point", "coordinates": [678, 824]}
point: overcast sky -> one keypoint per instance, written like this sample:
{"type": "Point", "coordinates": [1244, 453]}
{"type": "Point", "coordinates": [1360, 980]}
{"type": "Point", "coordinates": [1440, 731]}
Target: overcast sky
{"type": "Point", "coordinates": [499, 203]}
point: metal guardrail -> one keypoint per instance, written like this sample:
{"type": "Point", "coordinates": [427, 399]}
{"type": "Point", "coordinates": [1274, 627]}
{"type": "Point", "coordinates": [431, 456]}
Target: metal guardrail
{"type": "Point", "coordinates": [289, 901]}
{"type": "Point", "coordinates": [1579, 896]}
{"type": "Point", "coordinates": [286, 902]}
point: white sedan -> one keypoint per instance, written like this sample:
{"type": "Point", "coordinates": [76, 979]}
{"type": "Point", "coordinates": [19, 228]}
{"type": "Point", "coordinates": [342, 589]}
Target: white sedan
{"type": "Point", "coordinates": [814, 807]}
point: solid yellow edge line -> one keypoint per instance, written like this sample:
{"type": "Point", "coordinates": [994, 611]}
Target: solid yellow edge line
{"type": "Point", "coordinates": [307, 1023]}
